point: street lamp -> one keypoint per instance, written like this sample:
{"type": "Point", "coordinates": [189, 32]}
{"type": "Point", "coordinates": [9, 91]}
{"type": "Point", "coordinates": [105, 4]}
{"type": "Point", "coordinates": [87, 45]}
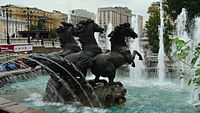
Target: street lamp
{"type": "Point", "coordinates": [44, 18]}
{"type": "Point", "coordinates": [28, 19]}
{"type": "Point", "coordinates": [7, 12]}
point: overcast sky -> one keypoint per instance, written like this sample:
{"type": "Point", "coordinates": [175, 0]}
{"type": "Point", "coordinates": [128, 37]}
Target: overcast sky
{"type": "Point", "coordinates": [138, 7]}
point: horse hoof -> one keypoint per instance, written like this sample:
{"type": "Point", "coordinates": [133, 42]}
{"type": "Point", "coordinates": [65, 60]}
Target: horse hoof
{"type": "Point", "coordinates": [115, 83]}
{"type": "Point", "coordinates": [133, 65]}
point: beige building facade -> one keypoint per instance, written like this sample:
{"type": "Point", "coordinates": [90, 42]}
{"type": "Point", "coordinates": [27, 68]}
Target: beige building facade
{"type": "Point", "coordinates": [52, 19]}
{"type": "Point", "coordinates": [114, 15]}
{"type": "Point", "coordinates": [14, 25]}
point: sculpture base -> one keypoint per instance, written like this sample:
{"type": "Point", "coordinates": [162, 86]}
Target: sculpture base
{"type": "Point", "coordinates": [102, 95]}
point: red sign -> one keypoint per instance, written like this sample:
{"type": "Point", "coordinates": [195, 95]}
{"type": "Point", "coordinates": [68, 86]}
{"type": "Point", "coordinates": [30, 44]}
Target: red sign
{"type": "Point", "coordinates": [15, 48]}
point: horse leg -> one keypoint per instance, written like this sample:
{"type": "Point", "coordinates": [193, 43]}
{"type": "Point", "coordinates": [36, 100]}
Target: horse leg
{"type": "Point", "coordinates": [96, 80]}
{"type": "Point", "coordinates": [133, 57]}
{"type": "Point", "coordinates": [133, 64]}
{"type": "Point", "coordinates": [140, 56]}
{"type": "Point", "coordinates": [84, 72]}
{"type": "Point", "coordinates": [111, 81]}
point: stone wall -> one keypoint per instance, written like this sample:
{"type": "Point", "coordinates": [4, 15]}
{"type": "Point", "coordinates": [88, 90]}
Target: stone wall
{"type": "Point", "coordinates": [45, 50]}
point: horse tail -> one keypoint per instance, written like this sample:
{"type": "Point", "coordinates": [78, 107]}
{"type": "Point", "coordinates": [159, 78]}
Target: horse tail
{"type": "Point", "coordinates": [84, 62]}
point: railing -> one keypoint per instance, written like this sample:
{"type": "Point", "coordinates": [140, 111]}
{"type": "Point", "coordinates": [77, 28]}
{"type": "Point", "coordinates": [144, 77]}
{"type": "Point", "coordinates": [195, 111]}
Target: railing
{"type": "Point", "coordinates": [35, 43]}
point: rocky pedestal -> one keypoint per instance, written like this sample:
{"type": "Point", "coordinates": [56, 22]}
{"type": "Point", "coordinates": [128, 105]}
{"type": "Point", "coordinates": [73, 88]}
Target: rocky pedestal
{"type": "Point", "coordinates": [101, 96]}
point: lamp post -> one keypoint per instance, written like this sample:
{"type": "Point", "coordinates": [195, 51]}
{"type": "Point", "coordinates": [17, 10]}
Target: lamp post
{"type": "Point", "coordinates": [7, 15]}
{"type": "Point", "coordinates": [29, 40]}
{"type": "Point", "coordinates": [16, 28]}
{"type": "Point", "coordinates": [28, 19]}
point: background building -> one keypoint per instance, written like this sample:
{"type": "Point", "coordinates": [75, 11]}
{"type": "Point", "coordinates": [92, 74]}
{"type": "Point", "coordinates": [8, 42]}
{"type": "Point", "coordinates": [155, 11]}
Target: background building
{"type": "Point", "coordinates": [83, 13]}
{"type": "Point", "coordinates": [39, 22]}
{"type": "Point", "coordinates": [33, 15]}
{"type": "Point", "coordinates": [14, 25]}
{"type": "Point", "coordinates": [115, 15]}
{"type": "Point", "coordinates": [140, 25]}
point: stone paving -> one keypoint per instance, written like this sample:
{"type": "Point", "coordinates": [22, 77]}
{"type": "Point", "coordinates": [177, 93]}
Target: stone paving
{"type": "Point", "coordinates": [7, 106]}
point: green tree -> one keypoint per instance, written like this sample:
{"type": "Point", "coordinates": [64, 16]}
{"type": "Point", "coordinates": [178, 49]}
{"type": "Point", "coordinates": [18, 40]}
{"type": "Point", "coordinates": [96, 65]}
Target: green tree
{"type": "Point", "coordinates": [174, 8]}
{"type": "Point", "coordinates": [183, 51]}
{"type": "Point", "coordinates": [53, 34]}
{"type": "Point", "coordinates": [34, 27]}
{"type": "Point", "coordinates": [40, 25]}
{"type": "Point", "coordinates": [152, 28]}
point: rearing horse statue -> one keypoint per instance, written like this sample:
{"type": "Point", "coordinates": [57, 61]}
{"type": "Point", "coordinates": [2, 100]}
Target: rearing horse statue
{"type": "Point", "coordinates": [105, 64]}
{"type": "Point", "coordinates": [66, 33]}
{"type": "Point", "coordinates": [85, 31]}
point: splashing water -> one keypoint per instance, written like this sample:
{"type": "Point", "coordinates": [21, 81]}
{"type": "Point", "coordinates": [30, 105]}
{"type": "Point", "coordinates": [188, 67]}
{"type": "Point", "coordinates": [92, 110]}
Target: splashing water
{"type": "Point", "coordinates": [195, 91]}
{"type": "Point", "coordinates": [137, 72]}
{"type": "Point", "coordinates": [109, 29]}
{"type": "Point", "coordinates": [96, 34]}
{"type": "Point", "coordinates": [161, 53]}
{"type": "Point", "coordinates": [192, 42]}
{"type": "Point", "coordinates": [89, 86]}
{"type": "Point", "coordinates": [181, 34]}
{"type": "Point", "coordinates": [69, 15]}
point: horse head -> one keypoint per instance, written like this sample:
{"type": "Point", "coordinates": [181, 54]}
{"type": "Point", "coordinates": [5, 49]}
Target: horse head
{"type": "Point", "coordinates": [85, 31]}
{"type": "Point", "coordinates": [87, 26]}
{"type": "Point", "coordinates": [123, 30]}
{"type": "Point", "coordinates": [65, 33]}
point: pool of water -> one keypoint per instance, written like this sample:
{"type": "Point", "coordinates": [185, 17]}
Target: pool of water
{"type": "Point", "coordinates": [142, 97]}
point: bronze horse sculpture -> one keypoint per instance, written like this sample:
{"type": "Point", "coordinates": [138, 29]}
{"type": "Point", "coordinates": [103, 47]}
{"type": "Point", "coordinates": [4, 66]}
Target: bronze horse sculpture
{"type": "Point", "coordinates": [85, 31]}
{"type": "Point", "coordinates": [63, 70]}
{"type": "Point", "coordinates": [105, 64]}
{"type": "Point", "coordinates": [91, 56]}
{"type": "Point", "coordinates": [66, 34]}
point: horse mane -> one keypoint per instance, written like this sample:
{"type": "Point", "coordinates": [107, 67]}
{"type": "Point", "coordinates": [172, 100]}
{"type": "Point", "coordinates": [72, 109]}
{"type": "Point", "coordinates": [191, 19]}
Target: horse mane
{"type": "Point", "coordinates": [122, 26]}
{"type": "Point", "coordinates": [80, 26]}
{"type": "Point", "coordinates": [64, 26]}
{"type": "Point", "coordinates": [118, 28]}
{"type": "Point", "coordinates": [62, 31]}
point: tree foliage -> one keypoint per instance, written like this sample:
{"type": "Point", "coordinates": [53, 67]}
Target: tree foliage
{"type": "Point", "coordinates": [183, 51]}
{"type": "Point", "coordinates": [174, 8]}
{"type": "Point", "coordinates": [40, 25]}
{"type": "Point", "coordinates": [53, 34]}
{"type": "Point", "coordinates": [152, 26]}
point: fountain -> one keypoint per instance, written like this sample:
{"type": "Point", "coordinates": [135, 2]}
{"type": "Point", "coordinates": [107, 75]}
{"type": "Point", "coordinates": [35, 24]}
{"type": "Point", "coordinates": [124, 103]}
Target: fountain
{"type": "Point", "coordinates": [136, 72]}
{"type": "Point", "coordinates": [96, 34]}
{"type": "Point", "coordinates": [65, 82]}
{"type": "Point", "coordinates": [69, 15]}
{"type": "Point", "coordinates": [192, 42]}
{"type": "Point", "coordinates": [195, 90]}
{"type": "Point", "coordinates": [181, 26]}
{"type": "Point", "coordinates": [181, 34]}
{"type": "Point", "coordinates": [161, 53]}
{"type": "Point", "coordinates": [108, 30]}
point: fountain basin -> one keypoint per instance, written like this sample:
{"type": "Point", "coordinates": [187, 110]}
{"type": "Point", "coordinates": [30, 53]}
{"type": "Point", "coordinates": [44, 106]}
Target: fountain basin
{"type": "Point", "coordinates": [143, 97]}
